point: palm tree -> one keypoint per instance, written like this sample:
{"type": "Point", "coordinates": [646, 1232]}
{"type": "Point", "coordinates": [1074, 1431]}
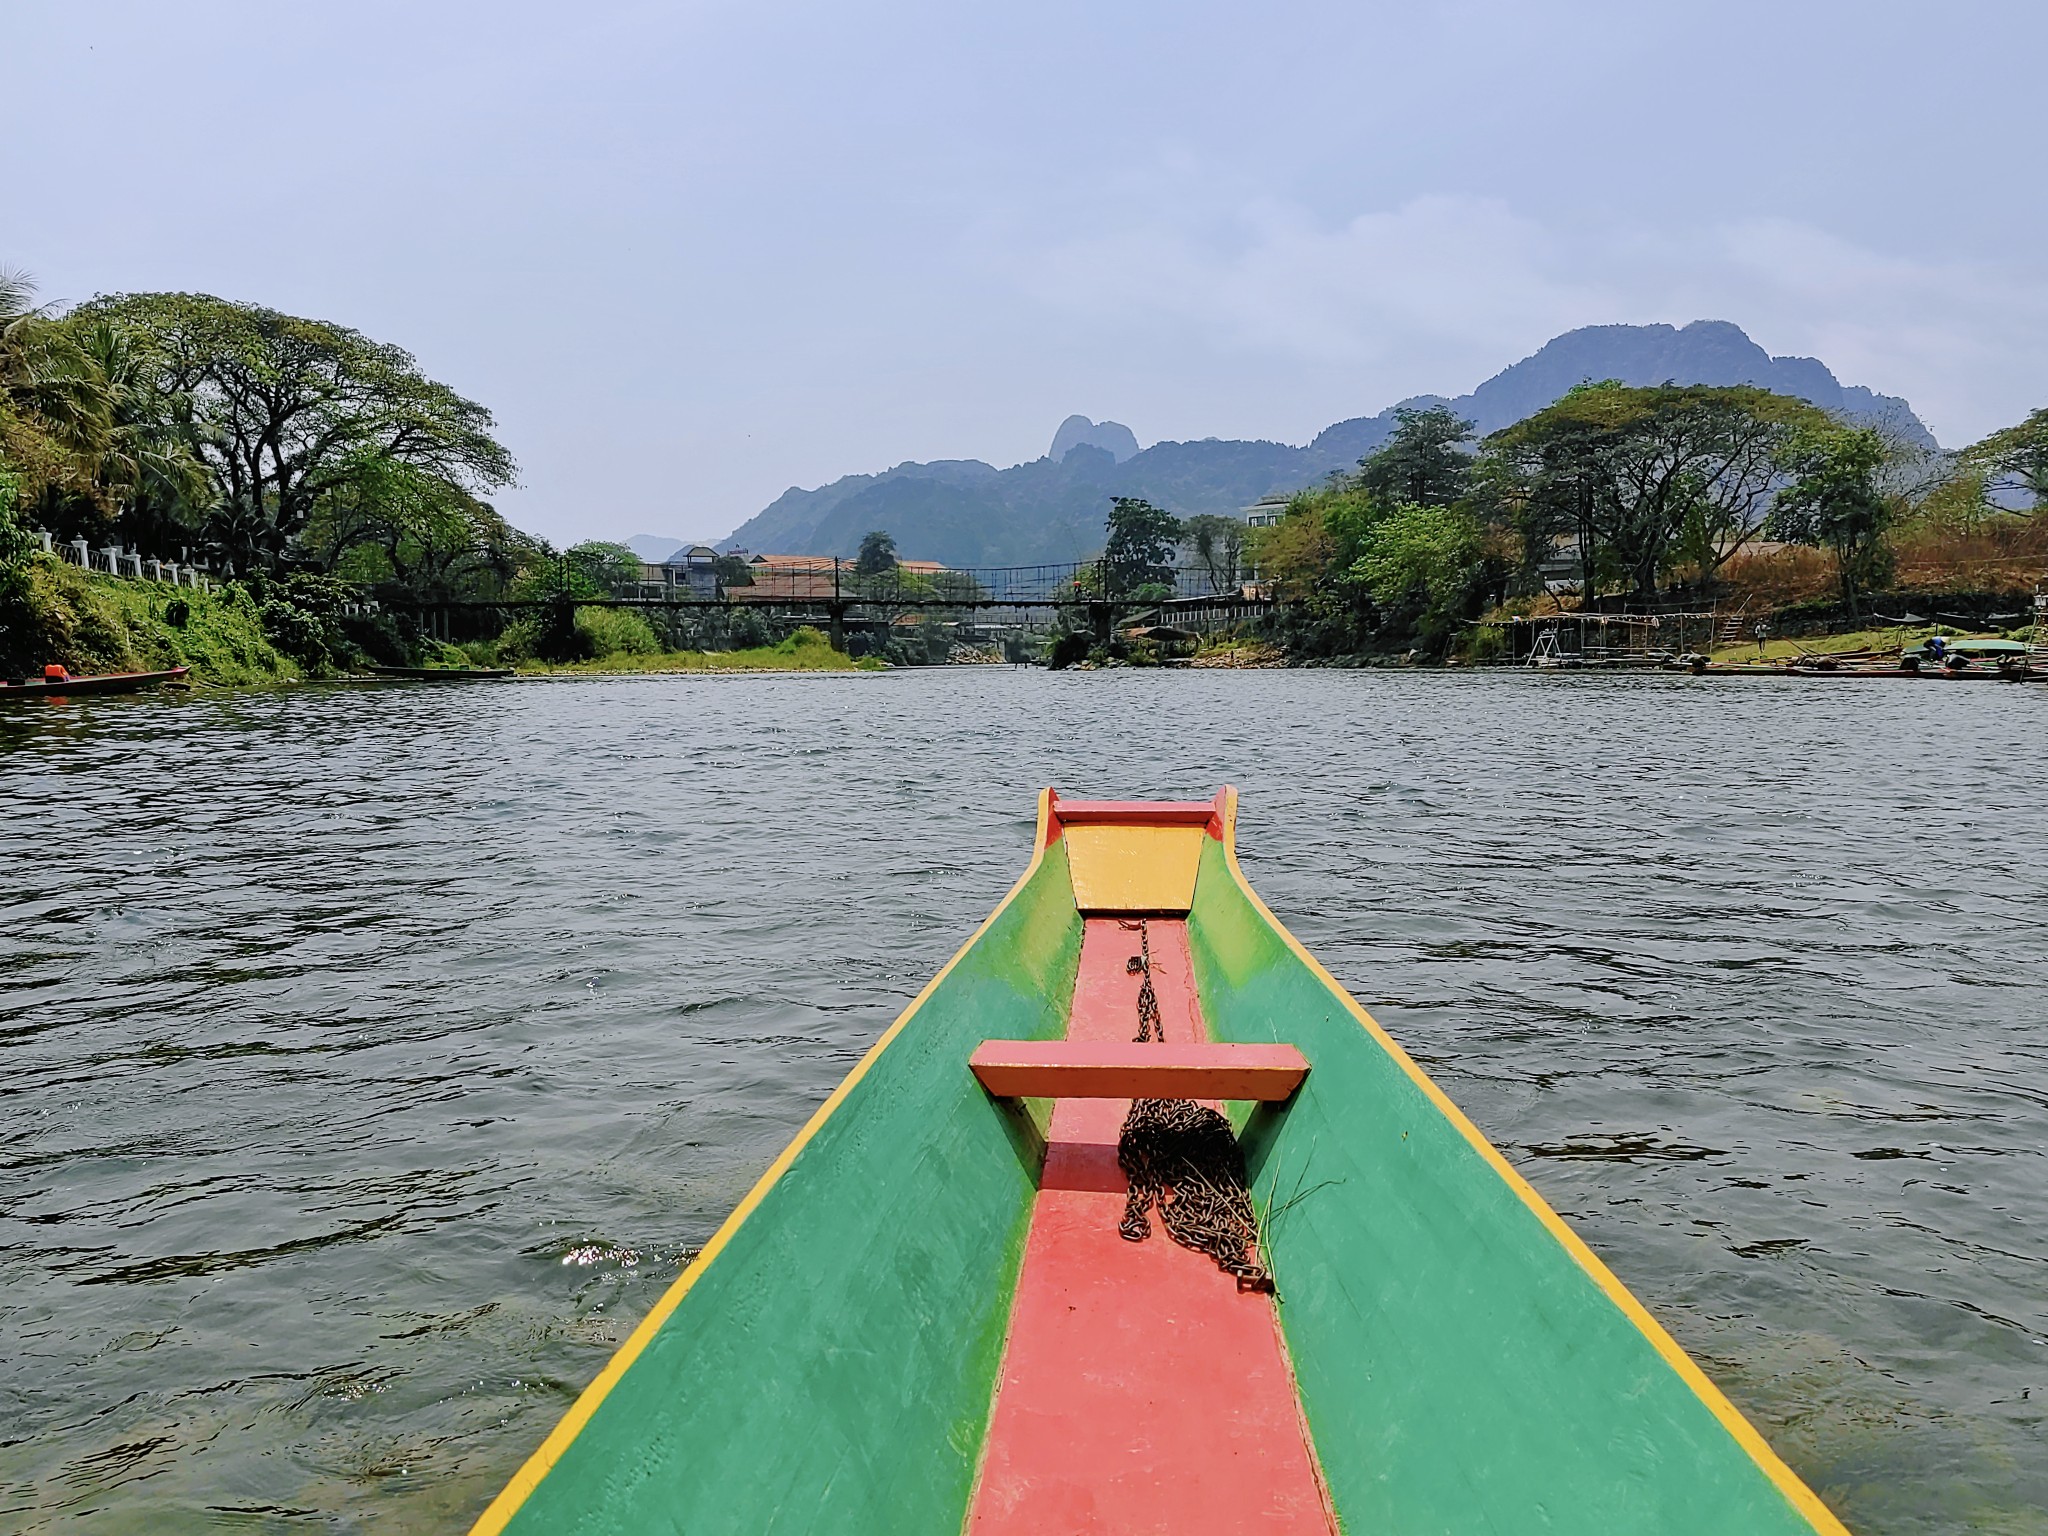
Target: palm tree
{"type": "Point", "coordinates": [55, 418]}
{"type": "Point", "coordinates": [17, 295]}
{"type": "Point", "coordinates": [91, 446]}
{"type": "Point", "coordinates": [149, 471]}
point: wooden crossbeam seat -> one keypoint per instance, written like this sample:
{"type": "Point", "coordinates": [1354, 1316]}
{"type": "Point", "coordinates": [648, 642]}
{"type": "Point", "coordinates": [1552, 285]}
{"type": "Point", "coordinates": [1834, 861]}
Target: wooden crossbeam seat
{"type": "Point", "coordinates": [1089, 1069]}
{"type": "Point", "coordinates": [1135, 813]}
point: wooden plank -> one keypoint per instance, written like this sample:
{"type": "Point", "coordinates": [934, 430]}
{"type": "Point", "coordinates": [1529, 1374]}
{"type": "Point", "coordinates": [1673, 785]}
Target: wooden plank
{"type": "Point", "coordinates": [1066, 1069]}
{"type": "Point", "coordinates": [1129, 868]}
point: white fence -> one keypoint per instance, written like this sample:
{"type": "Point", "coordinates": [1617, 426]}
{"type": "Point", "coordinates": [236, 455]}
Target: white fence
{"type": "Point", "coordinates": [116, 560]}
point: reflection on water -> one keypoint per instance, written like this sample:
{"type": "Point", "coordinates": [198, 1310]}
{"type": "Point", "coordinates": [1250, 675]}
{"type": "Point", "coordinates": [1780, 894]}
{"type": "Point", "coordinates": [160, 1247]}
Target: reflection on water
{"type": "Point", "coordinates": [370, 1059]}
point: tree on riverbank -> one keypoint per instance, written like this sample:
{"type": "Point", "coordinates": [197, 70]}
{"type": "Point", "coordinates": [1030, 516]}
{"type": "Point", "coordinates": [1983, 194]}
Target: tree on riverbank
{"type": "Point", "coordinates": [286, 412]}
{"type": "Point", "coordinates": [390, 525]}
{"type": "Point", "coordinates": [1652, 488]}
{"type": "Point", "coordinates": [1217, 543]}
{"type": "Point", "coordinates": [1645, 480]}
{"type": "Point", "coordinates": [1138, 560]}
{"type": "Point", "coordinates": [181, 423]}
{"type": "Point", "coordinates": [86, 448]}
{"type": "Point", "coordinates": [1359, 565]}
{"type": "Point", "coordinates": [877, 554]}
{"type": "Point", "coordinates": [1425, 463]}
{"type": "Point", "coordinates": [1835, 500]}
{"type": "Point", "coordinates": [2014, 461]}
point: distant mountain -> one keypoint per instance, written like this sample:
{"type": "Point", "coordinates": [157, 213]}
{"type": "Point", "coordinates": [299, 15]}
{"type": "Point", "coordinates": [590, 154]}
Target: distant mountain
{"type": "Point", "coordinates": [1112, 436]}
{"type": "Point", "coordinates": [1705, 352]}
{"type": "Point", "coordinates": [968, 513]}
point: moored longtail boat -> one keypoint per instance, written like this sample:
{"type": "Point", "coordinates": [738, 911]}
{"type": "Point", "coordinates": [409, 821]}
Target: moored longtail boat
{"type": "Point", "coordinates": [57, 683]}
{"type": "Point", "coordinates": [925, 1316]}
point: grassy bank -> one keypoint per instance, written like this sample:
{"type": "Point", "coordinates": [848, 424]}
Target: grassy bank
{"type": "Point", "coordinates": [805, 651]}
{"type": "Point", "coordinates": [93, 624]}
{"type": "Point", "coordinates": [1888, 641]}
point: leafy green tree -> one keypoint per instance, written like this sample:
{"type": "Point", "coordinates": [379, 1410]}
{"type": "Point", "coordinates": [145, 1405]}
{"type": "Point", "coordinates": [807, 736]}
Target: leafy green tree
{"type": "Point", "coordinates": [557, 583]}
{"type": "Point", "coordinates": [1426, 462]}
{"type": "Point", "coordinates": [1420, 556]}
{"type": "Point", "coordinates": [283, 410]}
{"type": "Point", "coordinates": [1218, 544]}
{"type": "Point", "coordinates": [606, 566]}
{"type": "Point", "coordinates": [1542, 486]}
{"type": "Point", "coordinates": [877, 555]}
{"type": "Point", "coordinates": [1140, 551]}
{"type": "Point", "coordinates": [1648, 478]}
{"type": "Point", "coordinates": [1835, 499]}
{"type": "Point", "coordinates": [15, 547]}
{"type": "Point", "coordinates": [1307, 559]}
{"type": "Point", "coordinates": [17, 295]}
{"type": "Point", "coordinates": [302, 615]}
{"type": "Point", "coordinates": [392, 524]}
{"type": "Point", "coordinates": [2014, 460]}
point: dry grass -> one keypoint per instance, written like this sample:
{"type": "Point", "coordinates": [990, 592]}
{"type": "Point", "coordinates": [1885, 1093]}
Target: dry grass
{"type": "Point", "coordinates": [1786, 576]}
{"type": "Point", "coordinates": [2004, 554]}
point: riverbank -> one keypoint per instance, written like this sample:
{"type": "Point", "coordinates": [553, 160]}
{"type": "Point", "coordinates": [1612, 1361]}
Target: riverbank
{"type": "Point", "coordinates": [1888, 642]}
{"type": "Point", "coordinates": [806, 650]}
{"type": "Point", "coordinates": [91, 625]}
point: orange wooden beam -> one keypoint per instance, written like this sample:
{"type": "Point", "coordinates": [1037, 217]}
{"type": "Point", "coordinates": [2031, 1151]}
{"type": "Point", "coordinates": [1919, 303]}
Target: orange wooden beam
{"type": "Point", "coordinates": [1069, 1069]}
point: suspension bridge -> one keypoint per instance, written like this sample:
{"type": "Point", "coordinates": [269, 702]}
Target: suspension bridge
{"type": "Point", "coordinates": [837, 592]}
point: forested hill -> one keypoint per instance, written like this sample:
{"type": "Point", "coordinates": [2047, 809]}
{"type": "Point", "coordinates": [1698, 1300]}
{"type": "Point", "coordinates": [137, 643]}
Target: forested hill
{"type": "Point", "coordinates": [968, 513]}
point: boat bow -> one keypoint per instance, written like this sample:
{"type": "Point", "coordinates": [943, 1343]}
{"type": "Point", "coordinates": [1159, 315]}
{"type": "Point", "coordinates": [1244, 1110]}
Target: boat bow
{"type": "Point", "coordinates": [927, 1315]}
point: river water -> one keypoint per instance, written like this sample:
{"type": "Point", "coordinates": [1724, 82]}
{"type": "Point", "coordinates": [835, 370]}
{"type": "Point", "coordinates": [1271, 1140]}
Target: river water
{"type": "Point", "coordinates": [369, 1058]}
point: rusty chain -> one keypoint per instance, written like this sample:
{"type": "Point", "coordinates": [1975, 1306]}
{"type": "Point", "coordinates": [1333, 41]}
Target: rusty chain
{"type": "Point", "coordinates": [1182, 1157]}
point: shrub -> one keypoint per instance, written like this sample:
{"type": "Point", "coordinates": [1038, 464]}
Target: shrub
{"type": "Point", "coordinates": [1488, 643]}
{"type": "Point", "coordinates": [747, 629]}
{"type": "Point", "coordinates": [805, 638]}
{"type": "Point", "coordinates": [615, 632]}
{"type": "Point", "coordinates": [1069, 648]}
{"type": "Point", "coordinates": [294, 630]}
{"type": "Point", "coordinates": [303, 617]}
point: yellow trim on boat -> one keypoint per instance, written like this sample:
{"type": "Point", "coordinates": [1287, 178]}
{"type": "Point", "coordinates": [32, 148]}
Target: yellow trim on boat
{"type": "Point", "coordinates": [1788, 1482]}
{"type": "Point", "coordinates": [501, 1510]}
{"type": "Point", "coordinates": [1134, 869]}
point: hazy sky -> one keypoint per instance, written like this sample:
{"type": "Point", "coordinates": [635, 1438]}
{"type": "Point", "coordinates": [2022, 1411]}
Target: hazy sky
{"type": "Point", "coordinates": [694, 254]}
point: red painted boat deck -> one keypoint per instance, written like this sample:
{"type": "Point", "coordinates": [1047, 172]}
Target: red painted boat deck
{"type": "Point", "coordinates": [1140, 1391]}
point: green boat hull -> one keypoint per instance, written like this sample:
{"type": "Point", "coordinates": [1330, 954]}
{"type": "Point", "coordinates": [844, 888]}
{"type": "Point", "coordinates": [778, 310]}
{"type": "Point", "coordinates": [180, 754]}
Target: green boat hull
{"type": "Point", "coordinates": [1463, 1361]}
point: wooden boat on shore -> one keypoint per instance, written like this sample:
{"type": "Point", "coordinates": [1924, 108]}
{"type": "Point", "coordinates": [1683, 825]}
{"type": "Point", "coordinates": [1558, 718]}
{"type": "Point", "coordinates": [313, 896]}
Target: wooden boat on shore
{"type": "Point", "coordinates": [927, 1317]}
{"type": "Point", "coordinates": [1949, 674]}
{"type": "Point", "coordinates": [57, 683]}
{"type": "Point", "coordinates": [1963, 674]}
{"type": "Point", "coordinates": [441, 674]}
